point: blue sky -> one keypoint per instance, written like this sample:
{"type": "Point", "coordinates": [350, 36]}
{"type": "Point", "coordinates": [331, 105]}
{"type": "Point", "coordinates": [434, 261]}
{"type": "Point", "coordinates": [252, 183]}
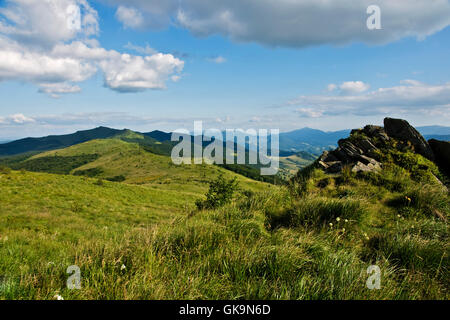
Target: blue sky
{"type": "Point", "coordinates": [322, 78]}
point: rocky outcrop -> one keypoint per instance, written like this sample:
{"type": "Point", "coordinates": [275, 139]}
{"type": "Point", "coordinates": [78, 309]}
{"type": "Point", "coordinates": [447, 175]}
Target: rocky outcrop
{"type": "Point", "coordinates": [403, 131]}
{"type": "Point", "coordinates": [361, 151]}
{"type": "Point", "coordinates": [357, 153]}
{"type": "Point", "coordinates": [441, 150]}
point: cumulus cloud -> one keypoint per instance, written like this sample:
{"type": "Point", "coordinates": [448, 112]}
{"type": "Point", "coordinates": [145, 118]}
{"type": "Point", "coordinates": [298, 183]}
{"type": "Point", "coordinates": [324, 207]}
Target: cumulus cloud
{"type": "Point", "coordinates": [18, 62]}
{"type": "Point", "coordinates": [331, 87]}
{"type": "Point", "coordinates": [408, 97]}
{"type": "Point", "coordinates": [139, 14]}
{"type": "Point", "coordinates": [130, 17]}
{"type": "Point", "coordinates": [44, 23]}
{"type": "Point", "coordinates": [16, 119]}
{"type": "Point", "coordinates": [134, 73]}
{"type": "Point", "coordinates": [354, 87]}
{"type": "Point", "coordinates": [41, 43]}
{"type": "Point", "coordinates": [297, 23]}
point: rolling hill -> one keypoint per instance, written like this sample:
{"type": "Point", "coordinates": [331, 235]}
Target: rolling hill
{"type": "Point", "coordinates": [144, 238]}
{"type": "Point", "coordinates": [55, 142]}
{"type": "Point", "coordinates": [122, 158]}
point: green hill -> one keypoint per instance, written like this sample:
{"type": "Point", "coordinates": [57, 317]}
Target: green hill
{"type": "Point", "coordinates": [119, 159]}
{"type": "Point", "coordinates": [145, 238]}
{"type": "Point", "coordinates": [157, 142]}
{"type": "Point", "coordinates": [291, 163]}
{"type": "Point", "coordinates": [55, 142]}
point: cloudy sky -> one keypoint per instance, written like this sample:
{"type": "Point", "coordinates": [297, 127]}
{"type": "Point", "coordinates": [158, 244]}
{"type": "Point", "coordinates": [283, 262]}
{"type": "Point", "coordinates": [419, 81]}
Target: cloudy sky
{"type": "Point", "coordinates": [67, 65]}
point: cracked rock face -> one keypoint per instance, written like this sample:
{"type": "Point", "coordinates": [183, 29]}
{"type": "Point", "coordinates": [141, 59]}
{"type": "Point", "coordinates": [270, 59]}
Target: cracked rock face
{"type": "Point", "coordinates": [403, 131]}
{"type": "Point", "coordinates": [355, 156]}
{"type": "Point", "coordinates": [360, 149]}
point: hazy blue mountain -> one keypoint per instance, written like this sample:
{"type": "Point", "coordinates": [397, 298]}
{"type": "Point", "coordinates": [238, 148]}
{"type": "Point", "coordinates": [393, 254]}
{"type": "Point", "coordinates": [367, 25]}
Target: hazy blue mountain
{"type": "Point", "coordinates": [315, 141]}
{"type": "Point", "coordinates": [438, 137]}
{"type": "Point", "coordinates": [434, 130]}
{"type": "Point", "coordinates": [311, 140]}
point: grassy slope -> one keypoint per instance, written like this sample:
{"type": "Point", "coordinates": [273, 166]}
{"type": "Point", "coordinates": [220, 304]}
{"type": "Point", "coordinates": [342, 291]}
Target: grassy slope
{"type": "Point", "coordinates": [277, 244]}
{"type": "Point", "coordinates": [273, 245]}
{"type": "Point", "coordinates": [51, 220]}
{"type": "Point", "coordinates": [118, 157]}
{"type": "Point", "coordinates": [291, 164]}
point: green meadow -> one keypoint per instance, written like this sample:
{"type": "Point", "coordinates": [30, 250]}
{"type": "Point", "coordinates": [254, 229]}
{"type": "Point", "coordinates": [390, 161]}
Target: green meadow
{"type": "Point", "coordinates": [131, 221]}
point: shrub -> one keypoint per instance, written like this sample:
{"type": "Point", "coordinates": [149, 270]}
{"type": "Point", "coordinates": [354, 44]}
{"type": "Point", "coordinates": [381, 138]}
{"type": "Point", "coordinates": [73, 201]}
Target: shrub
{"type": "Point", "coordinates": [5, 169]}
{"type": "Point", "coordinates": [347, 176]}
{"type": "Point", "coordinates": [92, 172]}
{"type": "Point", "coordinates": [120, 178]}
{"type": "Point", "coordinates": [301, 183]}
{"type": "Point", "coordinates": [99, 183]}
{"type": "Point", "coordinates": [219, 194]}
{"type": "Point", "coordinates": [56, 164]}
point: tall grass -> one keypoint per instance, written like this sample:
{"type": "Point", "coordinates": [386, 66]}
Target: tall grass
{"type": "Point", "coordinates": [134, 242]}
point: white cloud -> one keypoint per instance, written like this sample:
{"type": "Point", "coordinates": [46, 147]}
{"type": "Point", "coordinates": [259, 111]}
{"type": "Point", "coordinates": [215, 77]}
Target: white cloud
{"type": "Point", "coordinates": [39, 45]}
{"type": "Point", "coordinates": [354, 87]}
{"type": "Point", "coordinates": [19, 63]}
{"type": "Point", "coordinates": [411, 82]}
{"type": "Point", "coordinates": [218, 59]}
{"type": "Point", "coordinates": [297, 23]}
{"type": "Point", "coordinates": [56, 89]}
{"type": "Point", "coordinates": [410, 97]}
{"type": "Point", "coordinates": [331, 87]}
{"type": "Point", "coordinates": [45, 23]}
{"type": "Point", "coordinates": [147, 50]}
{"type": "Point", "coordinates": [130, 17]}
{"type": "Point", "coordinates": [134, 73]}
{"type": "Point", "coordinates": [16, 119]}
{"type": "Point", "coordinates": [309, 113]}
{"type": "Point", "coordinates": [176, 78]}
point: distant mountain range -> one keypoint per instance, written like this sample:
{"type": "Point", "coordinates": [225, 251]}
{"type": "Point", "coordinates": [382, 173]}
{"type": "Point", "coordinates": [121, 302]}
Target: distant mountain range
{"type": "Point", "coordinates": [316, 141]}
{"type": "Point", "coordinates": [55, 142]}
{"type": "Point", "coordinates": [309, 140]}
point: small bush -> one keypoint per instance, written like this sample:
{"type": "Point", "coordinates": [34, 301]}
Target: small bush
{"type": "Point", "coordinates": [120, 178]}
{"type": "Point", "coordinates": [99, 183]}
{"type": "Point", "coordinates": [346, 177]}
{"type": "Point", "coordinates": [219, 194]}
{"type": "Point", "coordinates": [76, 207]}
{"type": "Point", "coordinates": [92, 172]}
{"type": "Point", "coordinates": [301, 184]}
{"type": "Point", "coordinates": [5, 169]}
